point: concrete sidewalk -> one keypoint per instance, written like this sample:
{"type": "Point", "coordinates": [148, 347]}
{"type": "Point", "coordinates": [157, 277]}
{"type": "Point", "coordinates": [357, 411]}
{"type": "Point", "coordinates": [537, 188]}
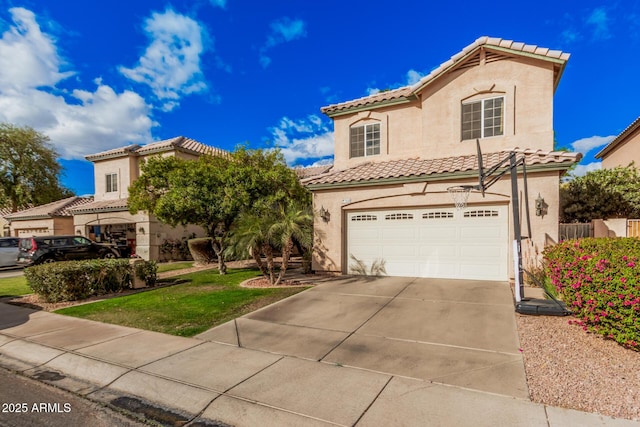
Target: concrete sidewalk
{"type": "Point", "coordinates": [177, 380]}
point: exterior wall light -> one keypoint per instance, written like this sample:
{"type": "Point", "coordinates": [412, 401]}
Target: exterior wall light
{"type": "Point", "coordinates": [324, 214]}
{"type": "Point", "coordinates": [541, 206]}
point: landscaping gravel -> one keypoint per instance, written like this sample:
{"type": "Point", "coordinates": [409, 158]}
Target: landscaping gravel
{"type": "Point", "coordinates": [570, 368]}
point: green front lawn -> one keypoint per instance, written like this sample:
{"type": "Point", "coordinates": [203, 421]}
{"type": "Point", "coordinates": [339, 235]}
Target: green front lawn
{"type": "Point", "coordinates": [171, 266]}
{"type": "Point", "coordinates": [205, 300]}
{"type": "Point", "coordinates": [14, 286]}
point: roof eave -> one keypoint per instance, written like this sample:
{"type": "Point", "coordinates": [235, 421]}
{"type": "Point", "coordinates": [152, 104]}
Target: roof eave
{"type": "Point", "coordinates": [99, 210]}
{"type": "Point", "coordinates": [547, 167]}
{"type": "Point", "coordinates": [623, 135]}
{"type": "Point", "coordinates": [372, 106]}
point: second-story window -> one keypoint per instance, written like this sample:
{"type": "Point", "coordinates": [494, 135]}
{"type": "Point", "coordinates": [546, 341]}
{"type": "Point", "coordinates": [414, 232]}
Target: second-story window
{"type": "Point", "coordinates": [364, 140]}
{"type": "Point", "coordinates": [112, 182]}
{"type": "Point", "coordinates": [482, 119]}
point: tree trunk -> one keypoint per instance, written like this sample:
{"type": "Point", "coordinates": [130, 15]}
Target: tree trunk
{"type": "Point", "coordinates": [218, 248]}
{"type": "Point", "coordinates": [255, 253]}
{"type": "Point", "coordinates": [286, 254]}
{"type": "Point", "coordinates": [268, 251]}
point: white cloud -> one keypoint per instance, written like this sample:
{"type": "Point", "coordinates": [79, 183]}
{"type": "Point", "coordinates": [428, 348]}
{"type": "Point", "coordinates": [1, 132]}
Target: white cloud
{"type": "Point", "coordinates": [170, 65]}
{"type": "Point", "coordinates": [305, 139]}
{"type": "Point", "coordinates": [218, 3]}
{"type": "Point", "coordinates": [28, 57]}
{"type": "Point", "coordinates": [412, 77]}
{"type": "Point", "coordinates": [84, 122]}
{"type": "Point", "coordinates": [600, 22]}
{"type": "Point", "coordinates": [581, 170]}
{"type": "Point", "coordinates": [283, 30]}
{"type": "Point", "coordinates": [585, 145]}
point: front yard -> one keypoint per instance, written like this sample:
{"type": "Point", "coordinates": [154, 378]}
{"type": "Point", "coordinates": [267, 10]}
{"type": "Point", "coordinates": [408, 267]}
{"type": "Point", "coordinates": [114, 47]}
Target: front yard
{"type": "Point", "coordinates": [205, 299]}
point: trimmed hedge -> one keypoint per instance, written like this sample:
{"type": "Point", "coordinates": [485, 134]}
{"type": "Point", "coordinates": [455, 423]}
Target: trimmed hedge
{"type": "Point", "coordinates": [599, 280]}
{"type": "Point", "coordinates": [201, 250]}
{"type": "Point", "coordinates": [74, 280]}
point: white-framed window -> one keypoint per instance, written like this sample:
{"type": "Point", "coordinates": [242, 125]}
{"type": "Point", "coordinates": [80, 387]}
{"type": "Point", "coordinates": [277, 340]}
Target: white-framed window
{"type": "Point", "coordinates": [364, 218]}
{"type": "Point", "coordinates": [364, 140]}
{"type": "Point", "coordinates": [481, 213]}
{"type": "Point", "coordinates": [398, 216]}
{"type": "Point", "coordinates": [437, 215]}
{"type": "Point", "coordinates": [112, 182]}
{"type": "Point", "coordinates": [482, 119]}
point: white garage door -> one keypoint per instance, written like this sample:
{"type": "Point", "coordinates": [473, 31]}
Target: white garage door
{"type": "Point", "coordinates": [444, 243]}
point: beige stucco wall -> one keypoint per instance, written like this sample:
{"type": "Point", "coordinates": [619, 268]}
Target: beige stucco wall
{"type": "Point", "coordinates": [430, 127]}
{"type": "Point", "coordinates": [330, 238]}
{"type": "Point", "coordinates": [626, 152]}
{"type": "Point", "coordinates": [149, 232]}
{"type": "Point", "coordinates": [614, 227]}
{"type": "Point", "coordinates": [125, 167]}
{"type": "Point", "coordinates": [42, 227]}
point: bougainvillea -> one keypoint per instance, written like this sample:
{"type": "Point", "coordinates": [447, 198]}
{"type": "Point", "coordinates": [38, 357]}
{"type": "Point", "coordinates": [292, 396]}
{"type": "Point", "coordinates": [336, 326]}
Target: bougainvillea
{"type": "Point", "coordinates": [599, 280]}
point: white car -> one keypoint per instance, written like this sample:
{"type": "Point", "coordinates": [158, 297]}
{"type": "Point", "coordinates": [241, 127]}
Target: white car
{"type": "Point", "coordinates": [8, 251]}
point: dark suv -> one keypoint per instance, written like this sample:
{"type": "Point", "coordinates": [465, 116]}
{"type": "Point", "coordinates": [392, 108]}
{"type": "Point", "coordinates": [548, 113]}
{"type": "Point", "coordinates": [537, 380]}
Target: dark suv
{"type": "Point", "coordinates": [38, 250]}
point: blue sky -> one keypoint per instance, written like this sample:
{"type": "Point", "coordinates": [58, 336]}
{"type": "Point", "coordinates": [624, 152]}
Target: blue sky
{"type": "Point", "coordinates": [95, 76]}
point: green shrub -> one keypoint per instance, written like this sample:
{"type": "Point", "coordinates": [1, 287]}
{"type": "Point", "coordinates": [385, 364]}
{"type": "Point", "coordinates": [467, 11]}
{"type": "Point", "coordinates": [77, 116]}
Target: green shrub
{"type": "Point", "coordinates": [147, 271]}
{"type": "Point", "coordinates": [202, 250]}
{"type": "Point", "coordinates": [74, 280]}
{"type": "Point", "coordinates": [599, 280]}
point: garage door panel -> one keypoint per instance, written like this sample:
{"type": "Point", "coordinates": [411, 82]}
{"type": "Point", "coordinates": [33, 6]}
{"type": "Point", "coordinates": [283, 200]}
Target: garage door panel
{"type": "Point", "coordinates": [437, 243]}
{"type": "Point", "coordinates": [398, 233]}
{"type": "Point", "coordinates": [482, 252]}
{"type": "Point", "coordinates": [474, 234]}
{"type": "Point", "coordinates": [397, 251]}
{"type": "Point", "coordinates": [441, 251]}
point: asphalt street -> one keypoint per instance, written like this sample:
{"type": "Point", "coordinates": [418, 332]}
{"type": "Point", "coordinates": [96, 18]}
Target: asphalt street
{"type": "Point", "coordinates": [25, 402]}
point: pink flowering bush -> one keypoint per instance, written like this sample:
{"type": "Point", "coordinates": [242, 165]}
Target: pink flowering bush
{"type": "Point", "coordinates": [599, 280]}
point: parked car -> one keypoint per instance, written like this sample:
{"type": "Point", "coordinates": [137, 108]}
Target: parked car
{"type": "Point", "coordinates": [38, 250]}
{"type": "Point", "coordinates": [8, 251]}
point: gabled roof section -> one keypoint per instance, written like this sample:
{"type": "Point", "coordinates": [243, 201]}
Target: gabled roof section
{"type": "Point", "coordinates": [619, 139]}
{"type": "Point", "coordinates": [179, 143]}
{"type": "Point", "coordinates": [495, 49]}
{"type": "Point", "coordinates": [433, 169]}
{"type": "Point", "coordinates": [309, 171]}
{"type": "Point", "coordinates": [60, 208]}
{"type": "Point", "coordinates": [115, 205]}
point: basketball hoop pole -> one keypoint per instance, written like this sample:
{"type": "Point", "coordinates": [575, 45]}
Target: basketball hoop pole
{"type": "Point", "coordinates": [515, 202]}
{"type": "Point", "coordinates": [487, 179]}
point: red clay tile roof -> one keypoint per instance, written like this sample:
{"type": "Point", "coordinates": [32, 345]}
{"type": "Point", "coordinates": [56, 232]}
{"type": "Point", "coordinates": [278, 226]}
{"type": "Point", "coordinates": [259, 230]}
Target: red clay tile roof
{"type": "Point", "coordinates": [417, 167]}
{"type": "Point", "coordinates": [623, 135]}
{"type": "Point", "coordinates": [409, 92]}
{"type": "Point", "coordinates": [54, 209]}
{"type": "Point", "coordinates": [102, 206]}
{"type": "Point", "coordinates": [309, 171]}
{"type": "Point", "coordinates": [180, 143]}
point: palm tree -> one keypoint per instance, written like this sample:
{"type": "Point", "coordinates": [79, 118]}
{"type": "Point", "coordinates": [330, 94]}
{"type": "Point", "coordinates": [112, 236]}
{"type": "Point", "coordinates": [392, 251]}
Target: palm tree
{"type": "Point", "coordinates": [250, 237]}
{"type": "Point", "coordinates": [258, 234]}
{"type": "Point", "coordinates": [293, 222]}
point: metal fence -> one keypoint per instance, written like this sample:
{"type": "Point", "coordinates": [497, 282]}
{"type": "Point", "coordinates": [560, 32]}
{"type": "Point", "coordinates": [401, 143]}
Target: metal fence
{"type": "Point", "coordinates": [575, 231]}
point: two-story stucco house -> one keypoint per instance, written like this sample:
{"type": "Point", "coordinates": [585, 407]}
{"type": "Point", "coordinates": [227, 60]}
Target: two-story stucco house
{"type": "Point", "coordinates": [397, 152]}
{"type": "Point", "coordinates": [624, 149]}
{"type": "Point", "coordinates": [107, 218]}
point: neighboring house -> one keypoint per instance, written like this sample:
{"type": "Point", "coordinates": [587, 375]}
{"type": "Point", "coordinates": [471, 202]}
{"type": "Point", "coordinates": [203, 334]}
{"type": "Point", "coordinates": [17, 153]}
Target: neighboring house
{"type": "Point", "coordinates": [624, 149]}
{"type": "Point", "coordinates": [44, 220]}
{"type": "Point", "coordinates": [4, 224]}
{"type": "Point", "coordinates": [108, 217]}
{"type": "Point", "coordinates": [397, 152]}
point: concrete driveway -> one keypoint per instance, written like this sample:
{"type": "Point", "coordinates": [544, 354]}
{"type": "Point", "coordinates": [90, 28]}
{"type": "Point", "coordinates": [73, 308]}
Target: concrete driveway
{"type": "Point", "coordinates": [455, 332]}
